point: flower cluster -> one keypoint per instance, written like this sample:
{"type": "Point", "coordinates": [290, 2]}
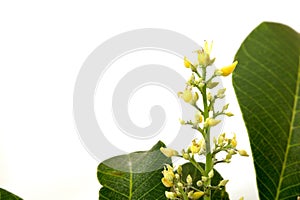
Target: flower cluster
{"type": "Point", "coordinates": [180, 188]}
{"type": "Point", "coordinates": [200, 84]}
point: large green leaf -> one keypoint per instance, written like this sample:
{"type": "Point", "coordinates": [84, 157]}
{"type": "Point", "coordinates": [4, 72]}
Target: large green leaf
{"type": "Point", "coordinates": [267, 85]}
{"type": "Point", "coordinates": [5, 195]}
{"type": "Point", "coordinates": [134, 176]}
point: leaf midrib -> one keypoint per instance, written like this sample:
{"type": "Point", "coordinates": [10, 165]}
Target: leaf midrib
{"type": "Point", "coordinates": [130, 177]}
{"type": "Point", "coordinates": [290, 131]}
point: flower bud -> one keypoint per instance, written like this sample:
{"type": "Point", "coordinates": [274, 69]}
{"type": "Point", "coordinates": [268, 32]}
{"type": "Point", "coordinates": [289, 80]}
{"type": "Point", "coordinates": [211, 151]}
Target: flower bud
{"type": "Point", "coordinates": [228, 69]}
{"type": "Point", "coordinates": [197, 195]}
{"type": "Point", "coordinates": [190, 194]}
{"type": "Point", "coordinates": [242, 152]}
{"type": "Point", "coordinates": [221, 139]}
{"type": "Point", "coordinates": [189, 180]}
{"type": "Point", "coordinates": [198, 117]}
{"type": "Point", "coordinates": [187, 95]}
{"type": "Point", "coordinates": [201, 84]}
{"type": "Point", "coordinates": [228, 156]}
{"type": "Point", "coordinates": [209, 97]}
{"type": "Point", "coordinates": [211, 174]}
{"type": "Point", "coordinates": [221, 93]}
{"type": "Point", "coordinates": [199, 183]}
{"type": "Point", "coordinates": [177, 176]}
{"type": "Point", "coordinates": [179, 169]}
{"type": "Point", "coordinates": [182, 122]}
{"type": "Point", "coordinates": [212, 122]}
{"type": "Point", "coordinates": [204, 178]}
{"type": "Point", "coordinates": [195, 147]}
{"type": "Point", "coordinates": [170, 195]}
{"type": "Point", "coordinates": [187, 63]}
{"type": "Point", "coordinates": [168, 152]}
{"type": "Point", "coordinates": [166, 182]}
{"type": "Point", "coordinates": [223, 183]}
{"type": "Point", "coordinates": [233, 142]}
{"type": "Point", "coordinates": [195, 97]}
{"type": "Point", "coordinates": [229, 114]}
{"type": "Point", "coordinates": [225, 107]}
{"type": "Point", "coordinates": [211, 85]}
{"type": "Point", "coordinates": [186, 156]}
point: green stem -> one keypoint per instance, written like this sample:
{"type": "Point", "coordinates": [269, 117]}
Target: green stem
{"type": "Point", "coordinates": [196, 165]}
{"type": "Point", "coordinates": [184, 195]}
{"type": "Point", "coordinates": [209, 161]}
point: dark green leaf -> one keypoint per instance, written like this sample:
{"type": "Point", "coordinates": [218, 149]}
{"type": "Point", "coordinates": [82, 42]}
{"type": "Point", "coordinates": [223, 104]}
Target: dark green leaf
{"type": "Point", "coordinates": [189, 169]}
{"type": "Point", "coordinates": [5, 195]}
{"type": "Point", "coordinates": [134, 176]}
{"type": "Point", "coordinates": [267, 85]}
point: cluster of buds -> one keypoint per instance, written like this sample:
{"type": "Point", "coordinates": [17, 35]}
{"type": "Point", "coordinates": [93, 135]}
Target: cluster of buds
{"type": "Point", "coordinates": [228, 145]}
{"type": "Point", "coordinates": [187, 188]}
{"type": "Point", "coordinates": [180, 188]}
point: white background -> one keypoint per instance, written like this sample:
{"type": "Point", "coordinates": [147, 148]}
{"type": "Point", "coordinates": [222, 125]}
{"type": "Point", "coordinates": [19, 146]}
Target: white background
{"type": "Point", "coordinates": [42, 47]}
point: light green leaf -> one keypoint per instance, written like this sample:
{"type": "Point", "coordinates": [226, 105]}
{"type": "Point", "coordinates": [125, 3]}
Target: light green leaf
{"type": "Point", "coordinates": [5, 195]}
{"type": "Point", "coordinates": [134, 176]}
{"type": "Point", "coordinates": [267, 85]}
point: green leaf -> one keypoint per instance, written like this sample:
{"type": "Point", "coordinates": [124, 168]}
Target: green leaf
{"type": "Point", "coordinates": [134, 176]}
{"type": "Point", "coordinates": [189, 169]}
{"type": "Point", "coordinates": [5, 195]}
{"type": "Point", "coordinates": [267, 85]}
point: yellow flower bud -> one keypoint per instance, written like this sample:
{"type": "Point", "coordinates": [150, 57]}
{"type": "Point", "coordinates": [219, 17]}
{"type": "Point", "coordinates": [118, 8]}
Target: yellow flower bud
{"type": "Point", "coordinates": [233, 142]}
{"type": "Point", "coordinates": [197, 195]}
{"type": "Point", "coordinates": [187, 95]}
{"type": "Point", "coordinates": [190, 194]}
{"type": "Point", "coordinates": [228, 69]}
{"type": "Point", "coordinates": [223, 183]}
{"type": "Point", "coordinates": [168, 152]}
{"type": "Point", "coordinates": [187, 63]}
{"type": "Point", "coordinates": [211, 174]}
{"type": "Point", "coordinates": [186, 156]}
{"type": "Point", "coordinates": [168, 176]}
{"type": "Point", "coordinates": [195, 97]}
{"type": "Point", "coordinates": [229, 114]}
{"type": "Point", "coordinates": [242, 152]}
{"type": "Point", "coordinates": [179, 169]}
{"type": "Point", "coordinates": [180, 185]}
{"type": "Point", "coordinates": [182, 122]}
{"type": "Point", "coordinates": [221, 139]}
{"type": "Point", "coordinates": [212, 121]}
{"type": "Point", "coordinates": [189, 180]}
{"type": "Point", "coordinates": [209, 97]}
{"type": "Point", "coordinates": [195, 147]}
{"type": "Point", "coordinates": [166, 182]}
{"type": "Point", "coordinates": [170, 195]}
{"type": "Point", "coordinates": [228, 156]}
{"type": "Point", "coordinates": [177, 177]}
{"type": "Point", "coordinates": [204, 178]}
{"type": "Point", "coordinates": [198, 117]}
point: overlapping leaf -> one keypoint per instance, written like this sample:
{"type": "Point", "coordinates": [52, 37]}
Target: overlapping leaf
{"type": "Point", "coordinates": [267, 85]}
{"type": "Point", "coordinates": [134, 176]}
{"type": "Point", "coordinates": [5, 195]}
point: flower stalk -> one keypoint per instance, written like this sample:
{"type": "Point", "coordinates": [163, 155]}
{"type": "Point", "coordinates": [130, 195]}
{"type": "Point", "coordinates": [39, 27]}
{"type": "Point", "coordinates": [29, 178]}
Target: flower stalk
{"type": "Point", "coordinates": [206, 117]}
